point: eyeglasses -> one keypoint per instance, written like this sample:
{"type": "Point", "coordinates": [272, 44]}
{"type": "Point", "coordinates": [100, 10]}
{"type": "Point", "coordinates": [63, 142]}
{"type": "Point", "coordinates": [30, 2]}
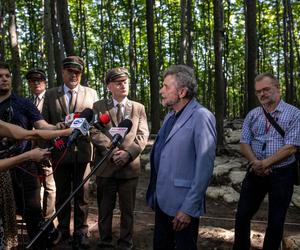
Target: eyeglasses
{"type": "Point", "coordinates": [262, 91]}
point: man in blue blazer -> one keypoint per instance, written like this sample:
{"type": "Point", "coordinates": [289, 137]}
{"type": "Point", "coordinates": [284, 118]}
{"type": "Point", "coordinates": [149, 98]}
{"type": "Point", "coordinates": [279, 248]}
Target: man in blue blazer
{"type": "Point", "coordinates": [182, 161]}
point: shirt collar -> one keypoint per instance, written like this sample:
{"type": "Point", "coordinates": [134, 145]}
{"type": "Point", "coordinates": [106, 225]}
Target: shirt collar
{"type": "Point", "coordinates": [279, 108]}
{"type": "Point", "coordinates": [122, 102]}
{"type": "Point", "coordinates": [181, 110]}
{"type": "Point", "coordinates": [40, 96]}
{"type": "Point", "coordinates": [66, 89]}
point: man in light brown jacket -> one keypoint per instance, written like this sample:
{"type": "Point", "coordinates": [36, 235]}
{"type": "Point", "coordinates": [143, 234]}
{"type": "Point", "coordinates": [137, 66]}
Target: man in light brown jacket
{"type": "Point", "coordinates": [120, 175]}
{"type": "Point", "coordinates": [60, 101]}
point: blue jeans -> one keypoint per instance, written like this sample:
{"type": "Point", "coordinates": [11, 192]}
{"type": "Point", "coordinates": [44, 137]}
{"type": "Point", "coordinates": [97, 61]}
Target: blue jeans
{"type": "Point", "coordinates": [165, 238]}
{"type": "Point", "coordinates": [279, 187]}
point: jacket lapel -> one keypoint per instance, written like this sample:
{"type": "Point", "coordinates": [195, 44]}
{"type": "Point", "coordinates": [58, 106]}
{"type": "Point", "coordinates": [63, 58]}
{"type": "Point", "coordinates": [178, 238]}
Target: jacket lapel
{"type": "Point", "coordinates": [80, 99]}
{"type": "Point", "coordinates": [128, 110]}
{"type": "Point", "coordinates": [112, 112]}
{"type": "Point", "coordinates": [62, 99]}
{"type": "Point", "coordinates": [186, 114]}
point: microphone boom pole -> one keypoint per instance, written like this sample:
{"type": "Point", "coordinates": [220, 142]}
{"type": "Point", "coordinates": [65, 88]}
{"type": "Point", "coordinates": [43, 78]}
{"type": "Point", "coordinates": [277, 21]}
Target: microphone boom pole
{"type": "Point", "coordinates": [115, 143]}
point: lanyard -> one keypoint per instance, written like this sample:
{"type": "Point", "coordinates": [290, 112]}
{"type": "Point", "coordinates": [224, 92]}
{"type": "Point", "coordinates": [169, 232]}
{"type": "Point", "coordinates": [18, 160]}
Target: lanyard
{"type": "Point", "coordinates": [267, 128]}
{"type": "Point", "coordinates": [268, 124]}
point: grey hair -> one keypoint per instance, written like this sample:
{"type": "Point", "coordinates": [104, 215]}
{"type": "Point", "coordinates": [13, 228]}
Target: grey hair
{"type": "Point", "coordinates": [261, 76]}
{"type": "Point", "coordinates": [185, 77]}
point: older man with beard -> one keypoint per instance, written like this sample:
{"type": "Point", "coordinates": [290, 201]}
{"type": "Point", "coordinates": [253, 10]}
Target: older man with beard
{"type": "Point", "coordinates": [182, 161]}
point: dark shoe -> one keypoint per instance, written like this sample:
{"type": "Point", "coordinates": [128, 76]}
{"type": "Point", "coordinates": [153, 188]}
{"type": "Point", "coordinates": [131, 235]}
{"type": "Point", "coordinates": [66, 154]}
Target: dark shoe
{"type": "Point", "coordinates": [124, 245]}
{"type": "Point", "coordinates": [104, 245]}
{"type": "Point", "coordinates": [124, 248]}
{"type": "Point", "coordinates": [53, 237]}
{"type": "Point", "coordinates": [59, 236]}
{"type": "Point", "coordinates": [83, 240]}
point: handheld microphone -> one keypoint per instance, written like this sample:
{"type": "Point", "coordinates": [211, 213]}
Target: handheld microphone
{"type": "Point", "coordinates": [58, 144]}
{"type": "Point", "coordinates": [71, 117]}
{"type": "Point", "coordinates": [101, 120]}
{"type": "Point", "coordinates": [119, 133]}
{"type": "Point", "coordinates": [80, 125]}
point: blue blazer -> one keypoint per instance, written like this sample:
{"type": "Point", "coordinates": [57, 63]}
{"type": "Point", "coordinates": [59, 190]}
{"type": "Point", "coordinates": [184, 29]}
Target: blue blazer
{"type": "Point", "coordinates": [186, 163]}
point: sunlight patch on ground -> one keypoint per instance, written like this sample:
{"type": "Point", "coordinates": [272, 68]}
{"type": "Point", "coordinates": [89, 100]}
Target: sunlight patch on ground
{"type": "Point", "coordinates": [221, 234]}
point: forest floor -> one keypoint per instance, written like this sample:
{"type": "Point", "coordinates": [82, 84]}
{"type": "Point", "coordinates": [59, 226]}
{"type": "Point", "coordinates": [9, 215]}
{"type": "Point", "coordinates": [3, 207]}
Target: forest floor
{"type": "Point", "coordinates": [220, 215]}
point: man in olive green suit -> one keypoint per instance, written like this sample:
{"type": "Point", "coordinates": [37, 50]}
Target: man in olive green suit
{"type": "Point", "coordinates": [69, 98]}
{"type": "Point", "coordinates": [120, 175]}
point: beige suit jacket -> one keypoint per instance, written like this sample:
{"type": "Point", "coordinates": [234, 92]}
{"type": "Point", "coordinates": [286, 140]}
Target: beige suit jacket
{"type": "Point", "coordinates": [134, 142]}
{"type": "Point", "coordinates": [55, 110]}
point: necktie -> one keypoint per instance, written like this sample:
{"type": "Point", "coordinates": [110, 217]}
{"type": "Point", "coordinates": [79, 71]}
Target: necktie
{"type": "Point", "coordinates": [36, 99]}
{"type": "Point", "coordinates": [72, 101]}
{"type": "Point", "coordinates": [119, 113]}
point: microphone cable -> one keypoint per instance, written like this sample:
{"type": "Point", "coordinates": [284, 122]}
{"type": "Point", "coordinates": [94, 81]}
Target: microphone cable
{"type": "Point", "coordinates": [42, 177]}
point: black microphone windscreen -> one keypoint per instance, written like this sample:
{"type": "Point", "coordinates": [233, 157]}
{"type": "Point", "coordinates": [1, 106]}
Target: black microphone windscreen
{"type": "Point", "coordinates": [88, 114]}
{"type": "Point", "coordinates": [126, 124]}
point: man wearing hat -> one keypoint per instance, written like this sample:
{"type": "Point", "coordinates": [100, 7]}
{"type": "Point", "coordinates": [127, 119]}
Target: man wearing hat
{"type": "Point", "coordinates": [60, 101]}
{"type": "Point", "coordinates": [36, 78]}
{"type": "Point", "coordinates": [121, 170]}
{"type": "Point", "coordinates": [37, 82]}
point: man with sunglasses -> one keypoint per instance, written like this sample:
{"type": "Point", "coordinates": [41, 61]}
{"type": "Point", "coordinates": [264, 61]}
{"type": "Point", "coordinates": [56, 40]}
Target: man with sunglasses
{"type": "Point", "coordinates": [271, 162]}
{"type": "Point", "coordinates": [60, 101]}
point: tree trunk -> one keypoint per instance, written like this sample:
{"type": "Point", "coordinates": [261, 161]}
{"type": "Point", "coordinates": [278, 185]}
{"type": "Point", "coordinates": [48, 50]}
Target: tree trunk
{"type": "Point", "coordinates": [189, 27]}
{"type": "Point", "coordinates": [251, 50]}
{"type": "Point", "coordinates": [56, 41]}
{"type": "Point", "coordinates": [104, 53]}
{"type": "Point", "coordinates": [290, 89]}
{"type": "Point", "coordinates": [181, 59]}
{"type": "Point", "coordinates": [14, 47]}
{"type": "Point", "coordinates": [219, 82]}
{"type": "Point", "coordinates": [64, 20]}
{"type": "Point", "coordinates": [285, 52]}
{"type": "Point", "coordinates": [154, 85]}
{"type": "Point", "coordinates": [133, 86]}
{"type": "Point", "coordinates": [49, 43]}
{"type": "Point", "coordinates": [2, 33]}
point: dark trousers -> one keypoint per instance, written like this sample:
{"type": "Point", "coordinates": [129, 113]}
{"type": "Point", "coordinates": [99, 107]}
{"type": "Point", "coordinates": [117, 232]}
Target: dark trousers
{"type": "Point", "coordinates": [165, 238]}
{"type": "Point", "coordinates": [65, 180]}
{"type": "Point", "coordinates": [107, 190]}
{"type": "Point", "coordinates": [28, 202]}
{"type": "Point", "coordinates": [279, 186]}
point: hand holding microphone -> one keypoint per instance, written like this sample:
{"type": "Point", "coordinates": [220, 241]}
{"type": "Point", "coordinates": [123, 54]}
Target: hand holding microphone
{"type": "Point", "coordinates": [80, 125]}
{"type": "Point", "coordinates": [58, 144]}
{"type": "Point", "coordinates": [70, 118]}
{"type": "Point", "coordinates": [38, 154]}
